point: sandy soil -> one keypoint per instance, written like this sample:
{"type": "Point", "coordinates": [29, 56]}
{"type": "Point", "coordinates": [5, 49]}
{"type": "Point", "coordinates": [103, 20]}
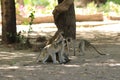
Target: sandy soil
{"type": "Point", "coordinates": [20, 64]}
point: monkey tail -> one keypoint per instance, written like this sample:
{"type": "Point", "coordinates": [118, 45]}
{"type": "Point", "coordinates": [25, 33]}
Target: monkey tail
{"type": "Point", "coordinates": [96, 50]}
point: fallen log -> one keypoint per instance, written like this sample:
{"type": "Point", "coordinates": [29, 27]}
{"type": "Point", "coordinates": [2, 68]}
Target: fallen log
{"type": "Point", "coordinates": [114, 17]}
{"type": "Point", "coordinates": [92, 17]}
{"type": "Point", "coordinates": [49, 19]}
{"type": "Point", "coordinates": [42, 19]}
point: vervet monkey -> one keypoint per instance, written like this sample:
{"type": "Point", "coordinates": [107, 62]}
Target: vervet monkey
{"type": "Point", "coordinates": [54, 49]}
{"type": "Point", "coordinates": [71, 43]}
{"type": "Point", "coordinates": [85, 44]}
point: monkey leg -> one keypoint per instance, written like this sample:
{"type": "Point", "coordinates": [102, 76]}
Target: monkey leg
{"type": "Point", "coordinates": [45, 59]}
{"type": "Point", "coordinates": [66, 58]}
{"type": "Point", "coordinates": [53, 56]}
{"type": "Point", "coordinates": [82, 47]}
{"type": "Point", "coordinates": [61, 58]}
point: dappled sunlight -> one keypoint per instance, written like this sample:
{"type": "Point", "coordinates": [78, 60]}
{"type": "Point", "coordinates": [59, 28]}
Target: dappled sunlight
{"type": "Point", "coordinates": [73, 57]}
{"type": "Point", "coordinates": [111, 60]}
{"type": "Point", "coordinates": [113, 64]}
{"type": "Point", "coordinates": [7, 55]}
{"type": "Point", "coordinates": [105, 62]}
{"type": "Point", "coordinates": [18, 64]}
{"type": "Point", "coordinates": [72, 65]}
{"type": "Point", "coordinates": [6, 67]}
{"type": "Point", "coordinates": [102, 64]}
{"type": "Point", "coordinates": [9, 76]}
{"type": "Point", "coordinates": [20, 67]}
{"type": "Point", "coordinates": [110, 28]}
{"type": "Point", "coordinates": [30, 68]}
{"type": "Point", "coordinates": [50, 27]}
{"type": "Point", "coordinates": [104, 28]}
{"type": "Point", "coordinates": [16, 58]}
{"type": "Point", "coordinates": [13, 55]}
{"type": "Point", "coordinates": [43, 27]}
{"type": "Point", "coordinates": [93, 69]}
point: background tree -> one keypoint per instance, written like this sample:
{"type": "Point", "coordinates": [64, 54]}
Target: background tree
{"type": "Point", "coordinates": [64, 18]}
{"type": "Point", "coordinates": [8, 21]}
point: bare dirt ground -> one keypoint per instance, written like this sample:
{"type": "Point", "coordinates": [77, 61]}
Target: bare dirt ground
{"type": "Point", "coordinates": [20, 64]}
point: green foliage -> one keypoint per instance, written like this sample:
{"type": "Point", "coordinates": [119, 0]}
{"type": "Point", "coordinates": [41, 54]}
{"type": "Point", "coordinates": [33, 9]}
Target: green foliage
{"type": "Point", "coordinates": [37, 2]}
{"type": "Point", "coordinates": [110, 7]}
{"type": "Point", "coordinates": [92, 8]}
{"type": "Point", "coordinates": [23, 41]}
{"type": "Point", "coordinates": [39, 6]}
{"type": "Point", "coordinates": [115, 1]}
{"type": "Point", "coordinates": [21, 38]}
{"type": "Point", "coordinates": [31, 17]}
{"type": "Point", "coordinates": [50, 7]}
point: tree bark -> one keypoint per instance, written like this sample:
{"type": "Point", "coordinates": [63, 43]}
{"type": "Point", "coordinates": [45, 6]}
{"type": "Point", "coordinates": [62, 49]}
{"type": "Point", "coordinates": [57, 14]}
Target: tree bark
{"type": "Point", "coordinates": [8, 21]}
{"type": "Point", "coordinates": [64, 18]}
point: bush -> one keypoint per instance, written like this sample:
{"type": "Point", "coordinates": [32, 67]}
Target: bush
{"type": "Point", "coordinates": [37, 2]}
{"type": "Point", "coordinates": [115, 1]}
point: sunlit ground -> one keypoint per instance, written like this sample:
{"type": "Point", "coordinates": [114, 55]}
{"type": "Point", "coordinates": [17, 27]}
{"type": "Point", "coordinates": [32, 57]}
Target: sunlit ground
{"type": "Point", "coordinates": [106, 26]}
{"type": "Point", "coordinates": [20, 65]}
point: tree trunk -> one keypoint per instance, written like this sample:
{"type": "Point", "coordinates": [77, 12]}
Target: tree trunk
{"type": "Point", "coordinates": [64, 18]}
{"type": "Point", "coordinates": [8, 21]}
{"type": "Point", "coordinates": [66, 21]}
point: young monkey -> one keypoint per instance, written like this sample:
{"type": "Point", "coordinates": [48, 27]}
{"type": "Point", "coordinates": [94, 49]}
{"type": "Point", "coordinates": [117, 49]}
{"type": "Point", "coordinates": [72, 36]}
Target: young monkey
{"type": "Point", "coordinates": [85, 44]}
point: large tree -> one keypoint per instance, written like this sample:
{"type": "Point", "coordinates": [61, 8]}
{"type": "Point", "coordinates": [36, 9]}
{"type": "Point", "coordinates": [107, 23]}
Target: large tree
{"type": "Point", "coordinates": [64, 18]}
{"type": "Point", "coordinates": [8, 21]}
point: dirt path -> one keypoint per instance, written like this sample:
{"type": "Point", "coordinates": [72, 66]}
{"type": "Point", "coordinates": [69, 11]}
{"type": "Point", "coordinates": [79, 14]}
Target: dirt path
{"type": "Point", "coordinates": [20, 65]}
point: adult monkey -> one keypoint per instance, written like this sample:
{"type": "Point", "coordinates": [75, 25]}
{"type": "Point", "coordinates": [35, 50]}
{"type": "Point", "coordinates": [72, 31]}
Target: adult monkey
{"type": "Point", "coordinates": [64, 18]}
{"type": "Point", "coordinates": [55, 52]}
{"type": "Point", "coordinates": [85, 44]}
